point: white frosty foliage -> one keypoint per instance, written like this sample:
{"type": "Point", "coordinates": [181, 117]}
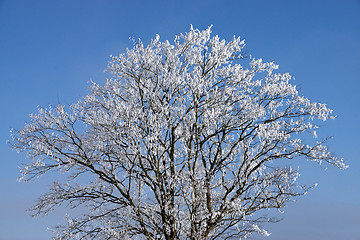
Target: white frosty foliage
{"type": "Point", "coordinates": [181, 143]}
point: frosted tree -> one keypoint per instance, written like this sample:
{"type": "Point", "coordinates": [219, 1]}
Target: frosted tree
{"type": "Point", "coordinates": [183, 142]}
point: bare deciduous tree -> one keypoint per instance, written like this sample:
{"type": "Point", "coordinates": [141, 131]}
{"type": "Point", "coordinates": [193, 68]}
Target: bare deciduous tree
{"type": "Point", "coordinates": [181, 143]}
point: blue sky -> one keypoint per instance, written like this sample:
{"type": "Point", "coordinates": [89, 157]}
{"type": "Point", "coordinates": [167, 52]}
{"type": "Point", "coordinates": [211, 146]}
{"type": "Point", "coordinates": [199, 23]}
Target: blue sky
{"type": "Point", "coordinates": [49, 50]}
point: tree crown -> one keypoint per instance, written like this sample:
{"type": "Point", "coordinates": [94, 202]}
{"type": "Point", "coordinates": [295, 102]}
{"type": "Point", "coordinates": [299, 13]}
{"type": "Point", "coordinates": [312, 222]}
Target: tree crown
{"type": "Point", "coordinates": [181, 143]}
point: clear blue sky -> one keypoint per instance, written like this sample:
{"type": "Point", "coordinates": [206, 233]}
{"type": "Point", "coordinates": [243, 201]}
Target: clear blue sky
{"type": "Point", "coordinates": [49, 50]}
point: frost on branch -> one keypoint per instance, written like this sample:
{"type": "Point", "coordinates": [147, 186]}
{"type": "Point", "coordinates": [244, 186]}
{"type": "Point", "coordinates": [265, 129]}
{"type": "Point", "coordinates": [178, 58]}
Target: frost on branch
{"type": "Point", "coordinates": [183, 142]}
